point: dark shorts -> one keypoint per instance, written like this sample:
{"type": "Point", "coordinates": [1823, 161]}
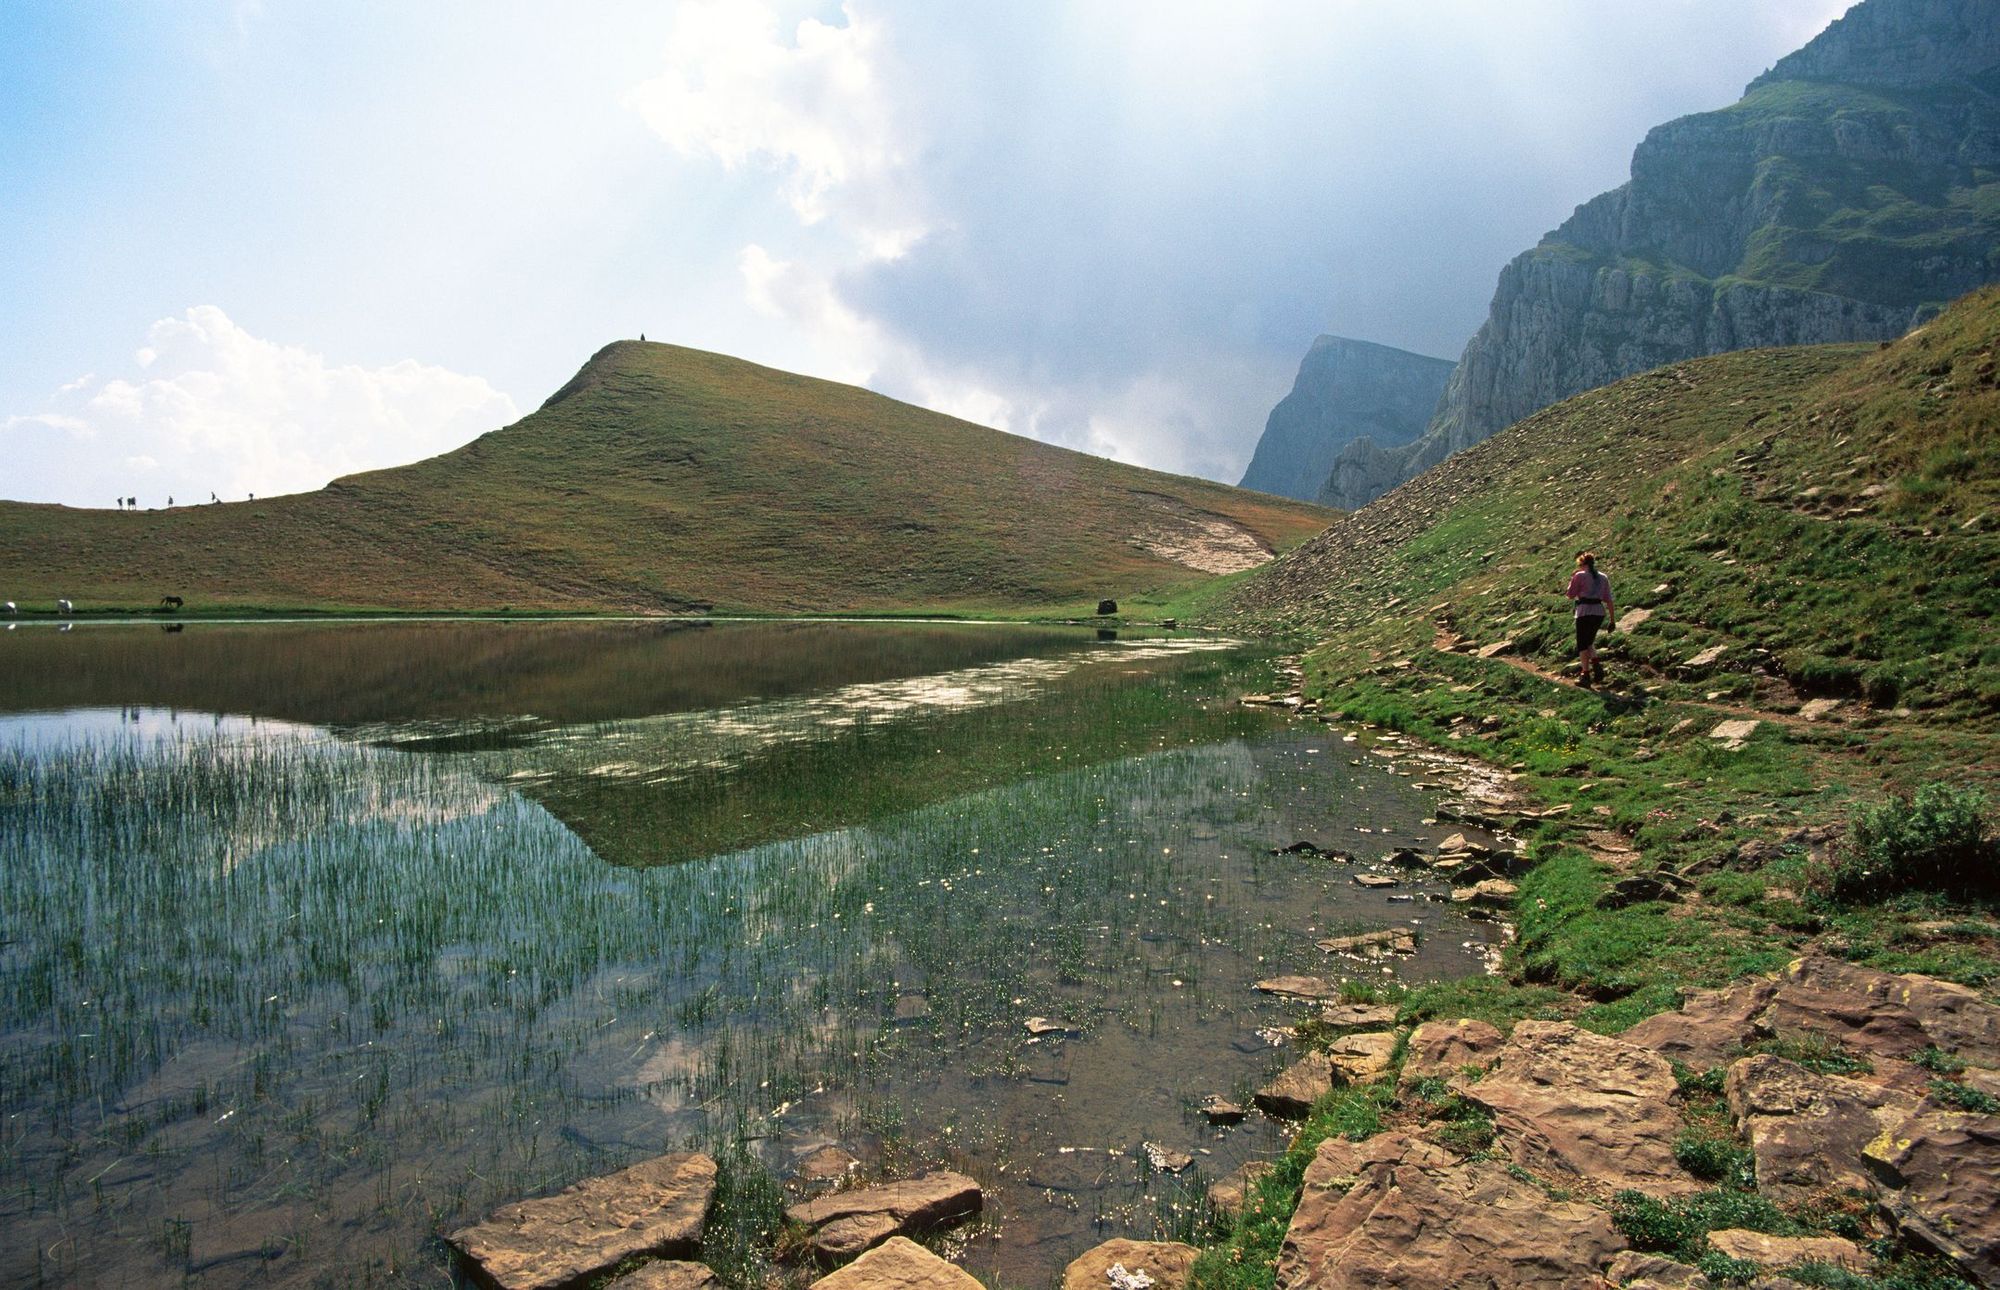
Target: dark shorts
{"type": "Point", "coordinates": [1586, 630]}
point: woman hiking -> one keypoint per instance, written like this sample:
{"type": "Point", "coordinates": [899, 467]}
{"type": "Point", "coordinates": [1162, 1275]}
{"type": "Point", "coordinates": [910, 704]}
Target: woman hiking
{"type": "Point", "coordinates": [1591, 591]}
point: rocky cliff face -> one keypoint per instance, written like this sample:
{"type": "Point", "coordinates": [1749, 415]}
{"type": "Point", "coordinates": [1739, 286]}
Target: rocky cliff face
{"type": "Point", "coordinates": [1851, 193]}
{"type": "Point", "coordinates": [1347, 390]}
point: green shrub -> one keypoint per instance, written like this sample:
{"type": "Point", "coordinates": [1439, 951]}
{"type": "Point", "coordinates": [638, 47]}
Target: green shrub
{"type": "Point", "coordinates": [1713, 1158]}
{"type": "Point", "coordinates": [1679, 1227]}
{"type": "Point", "coordinates": [1930, 842]}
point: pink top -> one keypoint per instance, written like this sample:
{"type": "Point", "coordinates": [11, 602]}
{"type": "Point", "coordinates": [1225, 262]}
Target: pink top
{"type": "Point", "coordinates": [1586, 585]}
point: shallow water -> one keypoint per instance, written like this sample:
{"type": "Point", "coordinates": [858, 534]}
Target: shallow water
{"type": "Point", "coordinates": [321, 940]}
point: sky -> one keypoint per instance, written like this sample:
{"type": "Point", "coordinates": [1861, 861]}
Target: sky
{"type": "Point", "coordinates": [247, 246]}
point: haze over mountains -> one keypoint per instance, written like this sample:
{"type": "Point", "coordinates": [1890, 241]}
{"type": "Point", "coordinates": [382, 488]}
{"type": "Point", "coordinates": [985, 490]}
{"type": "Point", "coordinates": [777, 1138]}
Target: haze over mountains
{"type": "Point", "coordinates": [1852, 192]}
{"type": "Point", "coordinates": [1346, 391]}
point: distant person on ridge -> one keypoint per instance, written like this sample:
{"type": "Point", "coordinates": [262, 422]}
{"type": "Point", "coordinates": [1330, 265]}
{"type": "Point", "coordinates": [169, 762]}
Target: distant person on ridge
{"type": "Point", "coordinates": [1591, 591]}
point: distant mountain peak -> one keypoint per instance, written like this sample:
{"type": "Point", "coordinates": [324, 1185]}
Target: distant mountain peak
{"type": "Point", "coordinates": [1899, 44]}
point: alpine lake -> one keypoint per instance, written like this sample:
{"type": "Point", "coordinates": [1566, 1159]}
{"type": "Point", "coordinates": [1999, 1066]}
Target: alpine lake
{"type": "Point", "coordinates": [318, 940]}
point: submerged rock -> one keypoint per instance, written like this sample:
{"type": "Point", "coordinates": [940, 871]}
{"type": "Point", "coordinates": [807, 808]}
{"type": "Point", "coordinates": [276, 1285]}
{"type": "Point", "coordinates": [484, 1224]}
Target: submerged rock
{"type": "Point", "coordinates": [1299, 987]}
{"type": "Point", "coordinates": [1220, 1110]}
{"type": "Point", "coordinates": [899, 1264]}
{"type": "Point", "coordinates": [668, 1275]}
{"type": "Point", "coordinates": [848, 1222]}
{"type": "Point", "coordinates": [1167, 1264]}
{"type": "Point", "coordinates": [655, 1207]}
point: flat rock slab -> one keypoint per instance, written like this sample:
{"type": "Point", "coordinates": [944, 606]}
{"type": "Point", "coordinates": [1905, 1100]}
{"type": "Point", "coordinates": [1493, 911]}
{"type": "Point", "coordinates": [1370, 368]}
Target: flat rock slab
{"type": "Point", "coordinates": [1299, 987]}
{"type": "Point", "coordinates": [1167, 1263]}
{"type": "Point", "coordinates": [1359, 1016]}
{"type": "Point", "coordinates": [1360, 1058]}
{"type": "Point", "coordinates": [1444, 1049]}
{"type": "Point", "coordinates": [848, 1222]}
{"type": "Point", "coordinates": [899, 1263]}
{"type": "Point", "coordinates": [1390, 940]}
{"type": "Point", "coordinates": [1471, 1225]}
{"type": "Point", "coordinates": [1942, 1170]}
{"type": "Point", "coordinates": [1783, 1252]}
{"type": "Point", "coordinates": [1297, 1087]}
{"type": "Point", "coordinates": [668, 1275]}
{"type": "Point", "coordinates": [1885, 1014]}
{"type": "Point", "coordinates": [1220, 1110]}
{"type": "Point", "coordinates": [1733, 733]}
{"type": "Point", "coordinates": [1376, 881]}
{"type": "Point", "coordinates": [655, 1207]}
{"type": "Point", "coordinates": [1807, 1131]}
{"type": "Point", "coordinates": [1636, 1271]}
{"type": "Point", "coordinates": [1711, 1026]}
{"type": "Point", "coordinates": [1587, 1104]}
{"type": "Point", "coordinates": [1340, 1162]}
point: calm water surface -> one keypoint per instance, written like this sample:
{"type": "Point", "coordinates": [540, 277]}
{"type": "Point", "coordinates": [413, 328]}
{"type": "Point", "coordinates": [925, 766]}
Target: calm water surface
{"type": "Point", "coordinates": [316, 941]}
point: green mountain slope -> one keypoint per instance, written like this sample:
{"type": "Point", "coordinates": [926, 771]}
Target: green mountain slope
{"type": "Point", "coordinates": [668, 479]}
{"type": "Point", "coordinates": [1828, 516]}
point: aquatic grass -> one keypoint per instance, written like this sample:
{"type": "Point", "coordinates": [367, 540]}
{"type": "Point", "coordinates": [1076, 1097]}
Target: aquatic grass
{"type": "Point", "coordinates": [344, 981]}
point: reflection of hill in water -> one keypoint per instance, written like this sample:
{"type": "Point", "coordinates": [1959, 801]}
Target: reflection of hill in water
{"type": "Point", "coordinates": [685, 786]}
{"type": "Point", "coordinates": [349, 673]}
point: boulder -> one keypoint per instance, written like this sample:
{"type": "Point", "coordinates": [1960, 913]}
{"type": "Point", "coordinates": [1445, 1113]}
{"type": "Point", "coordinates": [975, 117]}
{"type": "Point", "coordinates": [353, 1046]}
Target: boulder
{"type": "Point", "coordinates": [1358, 1016]}
{"type": "Point", "coordinates": [1711, 1026]}
{"type": "Point", "coordinates": [1409, 1224]}
{"type": "Point", "coordinates": [848, 1222]}
{"type": "Point", "coordinates": [1166, 1263]}
{"type": "Point", "coordinates": [1806, 1130]}
{"type": "Point", "coordinates": [655, 1208]}
{"type": "Point", "coordinates": [1787, 1251]}
{"type": "Point", "coordinates": [1297, 1087]}
{"type": "Point", "coordinates": [899, 1263]}
{"type": "Point", "coordinates": [1228, 1194]}
{"type": "Point", "coordinates": [1443, 1049]}
{"type": "Point", "coordinates": [668, 1275]}
{"type": "Point", "coordinates": [1360, 1058]}
{"type": "Point", "coordinates": [1586, 1104]}
{"type": "Point", "coordinates": [1942, 1172]}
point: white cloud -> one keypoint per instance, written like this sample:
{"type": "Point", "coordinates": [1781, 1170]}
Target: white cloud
{"type": "Point", "coordinates": [220, 410]}
{"type": "Point", "coordinates": [814, 108]}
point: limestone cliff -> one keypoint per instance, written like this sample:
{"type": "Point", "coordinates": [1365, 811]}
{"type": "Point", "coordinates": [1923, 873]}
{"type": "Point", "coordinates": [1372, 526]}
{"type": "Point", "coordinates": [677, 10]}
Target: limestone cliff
{"type": "Point", "coordinates": [1852, 192]}
{"type": "Point", "coordinates": [1346, 390]}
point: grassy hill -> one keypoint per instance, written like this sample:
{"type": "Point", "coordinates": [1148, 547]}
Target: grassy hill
{"type": "Point", "coordinates": [668, 479]}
